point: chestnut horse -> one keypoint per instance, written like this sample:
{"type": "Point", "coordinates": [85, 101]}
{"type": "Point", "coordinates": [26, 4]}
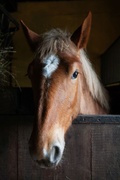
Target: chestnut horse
{"type": "Point", "coordinates": [64, 86]}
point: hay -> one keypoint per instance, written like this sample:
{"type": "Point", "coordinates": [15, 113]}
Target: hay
{"type": "Point", "coordinates": [5, 63]}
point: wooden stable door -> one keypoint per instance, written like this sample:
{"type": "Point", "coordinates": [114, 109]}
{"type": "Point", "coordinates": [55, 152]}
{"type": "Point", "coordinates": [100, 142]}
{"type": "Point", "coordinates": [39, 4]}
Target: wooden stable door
{"type": "Point", "coordinates": [92, 150]}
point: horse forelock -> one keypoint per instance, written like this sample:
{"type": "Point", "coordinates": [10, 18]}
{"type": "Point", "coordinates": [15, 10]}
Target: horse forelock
{"type": "Point", "coordinates": [55, 41]}
{"type": "Point", "coordinates": [97, 90]}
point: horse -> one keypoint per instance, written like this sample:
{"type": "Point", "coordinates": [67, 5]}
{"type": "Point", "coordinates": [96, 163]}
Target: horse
{"type": "Point", "coordinates": [64, 85]}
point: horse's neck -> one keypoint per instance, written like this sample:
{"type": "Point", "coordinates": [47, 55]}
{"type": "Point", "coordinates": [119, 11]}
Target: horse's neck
{"type": "Point", "coordinates": [87, 104]}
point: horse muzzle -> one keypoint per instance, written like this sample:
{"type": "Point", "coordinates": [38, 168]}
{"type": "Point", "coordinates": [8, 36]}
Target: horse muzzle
{"type": "Point", "coordinates": [49, 158]}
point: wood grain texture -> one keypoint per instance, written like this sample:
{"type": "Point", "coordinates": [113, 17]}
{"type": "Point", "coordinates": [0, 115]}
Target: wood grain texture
{"type": "Point", "coordinates": [8, 148]}
{"type": "Point", "coordinates": [92, 150]}
{"type": "Point", "coordinates": [106, 152]}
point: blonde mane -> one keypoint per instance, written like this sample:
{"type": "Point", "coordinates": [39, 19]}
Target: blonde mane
{"type": "Point", "coordinates": [96, 88]}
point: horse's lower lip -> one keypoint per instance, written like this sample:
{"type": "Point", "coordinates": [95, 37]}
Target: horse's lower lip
{"type": "Point", "coordinates": [45, 163]}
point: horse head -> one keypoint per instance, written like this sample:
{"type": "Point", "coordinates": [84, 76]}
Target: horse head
{"type": "Point", "coordinates": [64, 86]}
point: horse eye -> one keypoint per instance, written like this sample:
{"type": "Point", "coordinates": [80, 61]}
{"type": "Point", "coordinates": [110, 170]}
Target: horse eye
{"type": "Point", "coordinates": [75, 74]}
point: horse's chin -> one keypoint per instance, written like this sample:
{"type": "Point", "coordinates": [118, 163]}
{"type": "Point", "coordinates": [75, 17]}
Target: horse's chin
{"type": "Point", "coordinates": [46, 164]}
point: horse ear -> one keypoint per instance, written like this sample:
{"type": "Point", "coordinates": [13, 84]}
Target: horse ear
{"type": "Point", "coordinates": [33, 38]}
{"type": "Point", "coordinates": [81, 35]}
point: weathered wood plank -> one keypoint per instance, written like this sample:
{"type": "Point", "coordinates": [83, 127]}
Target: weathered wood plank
{"type": "Point", "coordinates": [77, 164]}
{"type": "Point", "coordinates": [92, 150]}
{"type": "Point", "coordinates": [106, 152]}
{"type": "Point", "coordinates": [97, 119]}
{"type": "Point", "coordinates": [8, 148]}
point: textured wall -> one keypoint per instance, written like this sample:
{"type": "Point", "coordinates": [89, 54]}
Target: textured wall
{"type": "Point", "coordinates": [42, 16]}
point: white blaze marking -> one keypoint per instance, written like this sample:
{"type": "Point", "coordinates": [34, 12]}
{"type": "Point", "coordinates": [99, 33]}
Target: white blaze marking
{"type": "Point", "coordinates": [51, 64]}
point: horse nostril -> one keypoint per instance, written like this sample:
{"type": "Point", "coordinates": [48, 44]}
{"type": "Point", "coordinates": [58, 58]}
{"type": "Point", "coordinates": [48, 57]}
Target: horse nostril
{"type": "Point", "coordinates": [55, 154]}
{"type": "Point", "coordinates": [50, 158]}
{"type": "Point", "coordinates": [57, 151]}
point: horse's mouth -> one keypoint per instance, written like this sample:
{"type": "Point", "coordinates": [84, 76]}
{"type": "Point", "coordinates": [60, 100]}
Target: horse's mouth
{"type": "Point", "coordinates": [45, 163]}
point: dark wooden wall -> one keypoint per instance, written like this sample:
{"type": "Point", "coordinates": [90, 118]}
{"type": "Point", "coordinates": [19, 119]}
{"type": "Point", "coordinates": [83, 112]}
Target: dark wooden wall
{"type": "Point", "coordinates": [92, 150]}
